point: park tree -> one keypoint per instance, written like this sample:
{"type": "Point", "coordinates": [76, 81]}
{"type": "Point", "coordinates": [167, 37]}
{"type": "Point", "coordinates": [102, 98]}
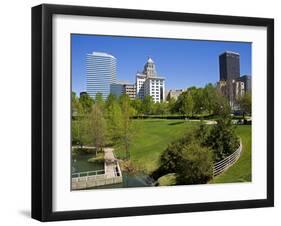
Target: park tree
{"type": "Point", "coordinates": [172, 105]}
{"type": "Point", "coordinates": [114, 119]}
{"type": "Point", "coordinates": [137, 105]}
{"type": "Point", "coordinates": [147, 105]}
{"type": "Point", "coordinates": [86, 103]}
{"type": "Point", "coordinates": [221, 106]}
{"type": "Point", "coordinates": [97, 127]}
{"type": "Point", "coordinates": [210, 94]}
{"type": "Point", "coordinates": [245, 103]}
{"type": "Point", "coordinates": [162, 108]}
{"type": "Point", "coordinates": [100, 101]}
{"type": "Point", "coordinates": [79, 121]}
{"type": "Point", "coordinates": [186, 157]}
{"type": "Point", "coordinates": [186, 103]}
{"type": "Point", "coordinates": [222, 139]}
{"type": "Point", "coordinates": [126, 131]}
{"type": "Point", "coordinates": [195, 165]}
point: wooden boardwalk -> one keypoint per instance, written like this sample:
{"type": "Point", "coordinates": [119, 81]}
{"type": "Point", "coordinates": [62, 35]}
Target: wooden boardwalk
{"type": "Point", "coordinates": [110, 175]}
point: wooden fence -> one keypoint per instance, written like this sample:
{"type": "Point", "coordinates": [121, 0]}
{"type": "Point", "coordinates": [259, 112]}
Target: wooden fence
{"type": "Point", "coordinates": [224, 164]}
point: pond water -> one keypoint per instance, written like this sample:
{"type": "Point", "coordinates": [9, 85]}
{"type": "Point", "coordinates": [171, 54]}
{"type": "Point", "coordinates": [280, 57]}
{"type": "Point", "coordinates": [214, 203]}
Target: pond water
{"type": "Point", "coordinates": [80, 164]}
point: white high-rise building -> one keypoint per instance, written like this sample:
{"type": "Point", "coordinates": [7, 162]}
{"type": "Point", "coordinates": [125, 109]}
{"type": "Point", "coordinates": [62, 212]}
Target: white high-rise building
{"type": "Point", "coordinates": [148, 83]}
{"type": "Point", "coordinates": [101, 73]}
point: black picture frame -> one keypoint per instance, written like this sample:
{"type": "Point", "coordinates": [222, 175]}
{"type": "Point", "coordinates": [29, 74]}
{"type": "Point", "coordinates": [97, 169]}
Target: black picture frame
{"type": "Point", "coordinates": [42, 196]}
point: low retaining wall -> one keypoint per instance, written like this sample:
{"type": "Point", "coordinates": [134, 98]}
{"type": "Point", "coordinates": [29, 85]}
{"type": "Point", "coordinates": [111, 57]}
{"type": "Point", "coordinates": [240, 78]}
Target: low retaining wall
{"type": "Point", "coordinates": [94, 181]}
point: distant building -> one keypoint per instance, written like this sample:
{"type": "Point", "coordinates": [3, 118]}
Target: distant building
{"type": "Point", "coordinates": [232, 90]}
{"type": "Point", "coordinates": [247, 79]}
{"type": "Point", "coordinates": [229, 65]}
{"type": "Point", "coordinates": [123, 87]}
{"type": "Point", "coordinates": [231, 85]}
{"type": "Point", "coordinates": [149, 83]}
{"type": "Point", "coordinates": [130, 90]}
{"type": "Point", "coordinates": [101, 73]}
{"type": "Point", "coordinates": [174, 93]}
{"type": "Point", "coordinates": [140, 79]}
{"type": "Point", "coordinates": [117, 88]}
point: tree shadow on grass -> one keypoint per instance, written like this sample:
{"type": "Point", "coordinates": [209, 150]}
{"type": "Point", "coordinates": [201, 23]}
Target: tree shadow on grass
{"type": "Point", "coordinates": [175, 123]}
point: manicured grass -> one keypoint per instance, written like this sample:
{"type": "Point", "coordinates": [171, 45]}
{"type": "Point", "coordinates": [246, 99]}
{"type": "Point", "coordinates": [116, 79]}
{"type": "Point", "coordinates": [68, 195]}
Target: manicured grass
{"type": "Point", "coordinates": [241, 170]}
{"type": "Point", "coordinates": [153, 137]}
{"type": "Point", "coordinates": [155, 134]}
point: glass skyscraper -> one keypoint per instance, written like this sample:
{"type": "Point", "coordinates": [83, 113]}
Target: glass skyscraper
{"type": "Point", "coordinates": [101, 73]}
{"type": "Point", "coordinates": [229, 65]}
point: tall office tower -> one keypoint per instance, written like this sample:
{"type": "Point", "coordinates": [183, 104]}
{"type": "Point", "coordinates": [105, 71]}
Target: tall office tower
{"type": "Point", "coordinates": [149, 83]}
{"type": "Point", "coordinates": [101, 73]}
{"type": "Point", "coordinates": [229, 66]}
{"type": "Point", "coordinates": [247, 79]}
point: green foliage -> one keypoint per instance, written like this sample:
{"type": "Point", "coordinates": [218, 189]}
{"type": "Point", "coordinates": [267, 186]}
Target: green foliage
{"type": "Point", "coordinates": [185, 103]}
{"type": "Point", "coordinates": [245, 103]}
{"type": "Point", "coordinates": [86, 103]}
{"type": "Point", "coordinates": [196, 165]}
{"type": "Point", "coordinates": [147, 105]}
{"type": "Point", "coordinates": [221, 106]}
{"type": "Point", "coordinates": [189, 160]}
{"type": "Point", "coordinates": [241, 171]}
{"type": "Point", "coordinates": [126, 131]}
{"type": "Point", "coordinates": [222, 139]}
{"type": "Point", "coordinates": [137, 105]}
{"type": "Point", "coordinates": [97, 127]}
{"type": "Point", "coordinates": [114, 119]}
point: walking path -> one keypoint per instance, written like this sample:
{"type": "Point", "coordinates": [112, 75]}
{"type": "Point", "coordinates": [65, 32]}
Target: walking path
{"type": "Point", "coordinates": [112, 173]}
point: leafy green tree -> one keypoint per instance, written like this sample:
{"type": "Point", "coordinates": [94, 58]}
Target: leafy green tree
{"type": "Point", "coordinates": [147, 105]}
{"type": "Point", "coordinates": [186, 103]}
{"type": "Point", "coordinates": [100, 101]}
{"type": "Point", "coordinates": [79, 125]}
{"type": "Point", "coordinates": [86, 102]}
{"type": "Point", "coordinates": [221, 106]}
{"type": "Point", "coordinates": [163, 108]}
{"type": "Point", "coordinates": [126, 131]}
{"type": "Point", "coordinates": [97, 127]}
{"type": "Point", "coordinates": [195, 166]}
{"type": "Point", "coordinates": [191, 162]}
{"type": "Point", "coordinates": [222, 139]}
{"type": "Point", "coordinates": [172, 106]}
{"type": "Point", "coordinates": [137, 105]}
{"type": "Point", "coordinates": [210, 94]}
{"type": "Point", "coordinates": [114, 119]}
{"type": "Point", "coordinates": [245, 103]}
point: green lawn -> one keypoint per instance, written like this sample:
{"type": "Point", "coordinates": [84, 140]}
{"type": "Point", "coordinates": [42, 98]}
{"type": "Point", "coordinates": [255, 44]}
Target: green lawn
{"type": "Point", "coordinates": [241, 170]}
{"type": "Point", "coordinates": [155, 134]}
{"type": "Point", "coordinates": [153, 137]}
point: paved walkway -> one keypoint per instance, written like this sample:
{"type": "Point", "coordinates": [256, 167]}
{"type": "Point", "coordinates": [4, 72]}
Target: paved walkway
{"type": "Point", "coordinates": [110, 162]}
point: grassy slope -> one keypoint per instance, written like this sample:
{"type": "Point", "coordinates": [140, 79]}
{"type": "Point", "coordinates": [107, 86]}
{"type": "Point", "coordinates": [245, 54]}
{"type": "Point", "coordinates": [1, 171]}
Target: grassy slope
{"type": "Point", "coordinates": [153, 137]}
{"type": "Point", "coordinates": [241, 170]}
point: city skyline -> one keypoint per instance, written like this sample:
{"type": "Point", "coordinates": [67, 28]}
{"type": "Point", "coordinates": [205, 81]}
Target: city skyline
{"type": "Point", "coordinates": [183, 63]}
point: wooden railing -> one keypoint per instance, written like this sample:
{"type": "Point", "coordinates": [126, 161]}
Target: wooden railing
{"type": "Point", "coordinates": [224, 164]}
{"type": "Point", "coordinates": [88, 173]}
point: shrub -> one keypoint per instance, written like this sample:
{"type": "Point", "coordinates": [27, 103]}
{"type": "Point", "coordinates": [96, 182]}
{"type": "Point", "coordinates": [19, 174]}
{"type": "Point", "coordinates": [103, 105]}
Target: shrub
{"type": "Point", "coordinates": [222, 139]}
{"type": "Point", "coordinates": [196, 165]}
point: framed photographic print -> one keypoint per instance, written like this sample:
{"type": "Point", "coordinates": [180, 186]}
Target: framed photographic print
{"type": "Point", "coordinates": [145, 112]}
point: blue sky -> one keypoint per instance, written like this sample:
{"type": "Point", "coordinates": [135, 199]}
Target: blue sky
{"type": "Point", "coordinates": [183, 63]}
